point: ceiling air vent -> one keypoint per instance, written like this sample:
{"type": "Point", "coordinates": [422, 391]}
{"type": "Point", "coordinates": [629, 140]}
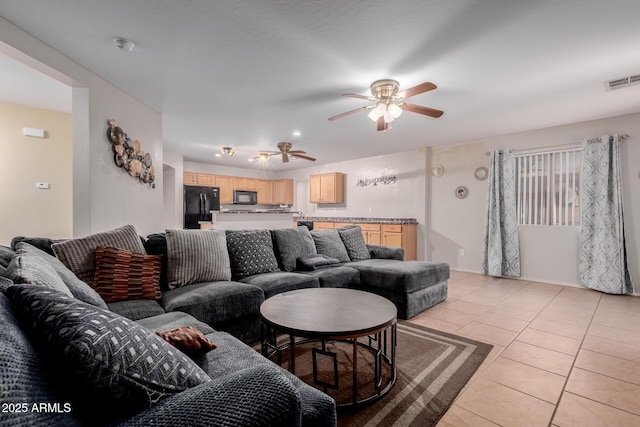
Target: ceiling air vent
{"type": "Point", "coordinates": [622, 82]}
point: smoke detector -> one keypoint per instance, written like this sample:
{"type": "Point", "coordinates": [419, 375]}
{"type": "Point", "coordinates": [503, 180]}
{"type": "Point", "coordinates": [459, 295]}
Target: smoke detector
{"type": "Point", "coordinates": [124, 44]}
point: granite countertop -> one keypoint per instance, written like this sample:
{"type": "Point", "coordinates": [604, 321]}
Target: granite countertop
{"type": "Point", "coordinates": [357, 220]}
{"type": "Point", "coordinates": [255, 211]}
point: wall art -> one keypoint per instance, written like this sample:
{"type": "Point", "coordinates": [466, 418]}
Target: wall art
{"type": "Point", "coordinates": [462, 192]}
{"type": "Point", "coordinates": [387, 179]}
{"type": "Point", "coordinates": [130, 156]}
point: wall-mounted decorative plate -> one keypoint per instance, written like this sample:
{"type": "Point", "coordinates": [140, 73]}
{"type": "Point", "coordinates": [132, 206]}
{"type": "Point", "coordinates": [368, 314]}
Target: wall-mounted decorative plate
{"type": "Point", "coordinates": [462, 192]}
{"type": "Point", "coordinates": [437, 171]}
{"type": "Point", "coordinates": [481, 173]}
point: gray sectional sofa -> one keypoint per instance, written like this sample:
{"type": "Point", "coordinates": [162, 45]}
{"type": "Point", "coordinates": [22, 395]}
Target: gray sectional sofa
{"type": "Point", "coordinates": [214, 281]}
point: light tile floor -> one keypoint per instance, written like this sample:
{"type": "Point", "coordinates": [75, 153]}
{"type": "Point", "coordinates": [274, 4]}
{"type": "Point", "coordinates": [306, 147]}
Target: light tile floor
{"type": "Point", "coordinates": [562, 356]}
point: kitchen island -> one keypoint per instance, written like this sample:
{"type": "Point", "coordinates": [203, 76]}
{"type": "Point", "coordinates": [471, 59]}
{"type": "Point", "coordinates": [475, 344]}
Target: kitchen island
{"type": "Point", "coordinates": [252, 219]}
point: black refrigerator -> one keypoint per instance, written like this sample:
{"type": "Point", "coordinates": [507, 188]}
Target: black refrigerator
{"type": "Point", "coordinates": [198, 204]}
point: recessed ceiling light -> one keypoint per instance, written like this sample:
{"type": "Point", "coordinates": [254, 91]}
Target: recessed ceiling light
{"type": "Point", "coordinates": [296, 133]}
{"type": "Point", "coordinates": [218, 155]}
{"type": "Point", "coordinates": [124, 44]}
{"type": "Point", "coordinates": [251, 160]}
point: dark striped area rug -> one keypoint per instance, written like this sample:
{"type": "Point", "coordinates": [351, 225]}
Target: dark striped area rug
{"type": "Point", "coordinates": [432, 368]}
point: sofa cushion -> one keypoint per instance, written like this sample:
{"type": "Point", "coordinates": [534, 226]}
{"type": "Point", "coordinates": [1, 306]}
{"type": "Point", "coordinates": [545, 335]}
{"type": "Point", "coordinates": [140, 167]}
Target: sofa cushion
{"type": "Point", "coordinates": [122, 275]}
{"type": "Point", "coordinates": [214, 302]}
{"type": "Point", "coordinates": [400, 276]}
{"type": "Point", "coordinates": [42, 243]}
{"type": "Point", "coordinates": [79, 254]}
{"type": "Point", "coordinates": [292, 243]}
{"type": "Point", "coordinates": [336, 277]}
{"type": "Point", "coordinates": [112, 365]}
{"type": "Point", "coordinates": [156, 244]}
{"type": "Point", "coordinates": [136, 309]}
{"type": "Point", "coordinates": [195, 256]}
{"type": "Point", "coordinates": [187, 339]}
{"type": "Point", "coordinates": [173, 320]}
{"type": "Point", "coordinates": [315, 262]}
{"type": "Point", "coordinates": [354, 243]}
{"type": "Point", "coordinates": [281, 281]}
{"type": "Point", "coordinates": [23, 377]}
{"type": "Point", "coordinates": [328, 242]}
{"type": "Point", "coordinates": [78, 288]}
{"type": "Point", "coordinates": [6, 253]}
{"type": "Point", "coordinates": [28, 268]}
{"type": "Point", "coordinates": [251, 252]}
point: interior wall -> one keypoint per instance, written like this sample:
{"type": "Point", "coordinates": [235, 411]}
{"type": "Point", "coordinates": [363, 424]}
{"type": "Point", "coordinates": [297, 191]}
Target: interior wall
{"type": "Point", "coordinates": [547, 253]}
{"type": "Point", "coordinates": [105, 196]}
{"type": "Point", "coordinates": [25, 161]}
{"type": "Point", "coordinates": [173, 210]}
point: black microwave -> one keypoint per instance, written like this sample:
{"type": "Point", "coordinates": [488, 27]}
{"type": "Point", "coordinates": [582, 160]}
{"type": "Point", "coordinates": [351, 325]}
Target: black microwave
{"type": "Point", "coordinates": [241, 197]}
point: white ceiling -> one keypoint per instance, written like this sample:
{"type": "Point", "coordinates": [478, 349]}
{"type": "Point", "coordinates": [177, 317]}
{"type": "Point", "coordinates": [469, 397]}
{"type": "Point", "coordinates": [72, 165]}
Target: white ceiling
{"type": "Point", "coordinates": [247, 73]}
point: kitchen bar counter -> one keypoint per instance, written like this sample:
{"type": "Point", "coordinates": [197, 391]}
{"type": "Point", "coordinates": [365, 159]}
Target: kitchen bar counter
{"type": "Point", "coordinates": [356, 220]}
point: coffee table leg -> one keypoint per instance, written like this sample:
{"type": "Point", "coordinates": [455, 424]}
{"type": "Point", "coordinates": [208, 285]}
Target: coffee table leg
{"type": "Point", "coordinates": [292, 357]}
{"type": "Point", "coordinates": [355, 370]}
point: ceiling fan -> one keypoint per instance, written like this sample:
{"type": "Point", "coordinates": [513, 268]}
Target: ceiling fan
{"type": "Point", "coordinates": [285, 151]}
{"type": "Point", "coordinates": [389, 102]}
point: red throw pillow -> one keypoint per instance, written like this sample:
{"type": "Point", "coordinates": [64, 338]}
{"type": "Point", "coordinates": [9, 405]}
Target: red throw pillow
{"type": "Point", "coordinates": [188, 339]}
{"type": "Point", "coordinates": [124, 275]}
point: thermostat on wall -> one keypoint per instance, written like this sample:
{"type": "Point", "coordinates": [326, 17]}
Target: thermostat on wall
{"type": "Point", "coordinates": [42, 185]}
{"type": "Point", "coordinates": [37, 133]}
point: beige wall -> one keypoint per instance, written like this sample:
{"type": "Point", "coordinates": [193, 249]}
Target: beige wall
{"type": "Point", "coordinates": [24, 161]}
{"type": "Point", "coordinates": [547, 253]}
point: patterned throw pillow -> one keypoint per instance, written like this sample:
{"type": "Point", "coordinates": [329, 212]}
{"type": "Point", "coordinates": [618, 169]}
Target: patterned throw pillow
{"type": "Point", "coordinates": [123, 275]}
{"type": "Point", "coordinates": [187, 339]}
{"type": "Point", "coordinates": [251, 252]}
{"type": "Point", "coordinates": [28, 268]}
{"type": "Point", "coordinates": [329, 243]}
{"type": "Point", "coordinates": [195, 256]}
{"type": "Point", "coordinates": [292, 243]}
{"type": "Point", "coordinates": [79, 254]}
{"type": "Point", "coordinates": [110, 363]}
{"type": "Point", "coordinates": [354, 242]}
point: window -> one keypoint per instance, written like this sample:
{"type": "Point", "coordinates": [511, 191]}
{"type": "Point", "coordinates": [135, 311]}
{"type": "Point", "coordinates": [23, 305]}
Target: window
{"type": "Point", "coordinates": [548, 188]}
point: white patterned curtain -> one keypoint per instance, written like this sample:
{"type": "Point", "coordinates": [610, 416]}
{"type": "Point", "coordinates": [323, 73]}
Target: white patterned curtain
{"type": "Point", "coordinates": [501, 256]}
{"type": "Point", "coordinates": [603, 255]}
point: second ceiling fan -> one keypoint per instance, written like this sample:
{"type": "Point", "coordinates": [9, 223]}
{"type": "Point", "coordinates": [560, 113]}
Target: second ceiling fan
{"type": "Point", "coordinates": [389, 102]}
{"type": "Point", "coordinates": [286, 152]}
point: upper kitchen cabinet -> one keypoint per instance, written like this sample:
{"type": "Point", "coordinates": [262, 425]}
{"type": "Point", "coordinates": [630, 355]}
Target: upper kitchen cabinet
{"type": "Point", "coordinates": [264, 187]}
{"type": "Point", "coordinates": [191, 178]}
{"type": "Point", "coordinates": [283, 192]}
{"type": "Point", "coordinates": [226, 189]}
{"type": "Point", "coordinates": [326, 188]}
{"type": "Point", "coordinates": [242, 183]}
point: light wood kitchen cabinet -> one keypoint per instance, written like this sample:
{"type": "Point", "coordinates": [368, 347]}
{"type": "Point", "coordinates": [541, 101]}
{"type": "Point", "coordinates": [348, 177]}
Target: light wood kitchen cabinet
{"type": "Point", "coordinates": [401, 236]}
{"type": "Point", "coordinates": [264, 187]}
{"type": "Point", "coordinates": [323, 225]}
{"type": "Point", "coordinates": [226, 189]}
{"type": "Point", "coordinates": [283, 192]}
{"type": "Point", "coordinates": [342, 224]}
{"type": "Point", "coordinates": [326, 188]}
{"type": "Point", "coordinates": [371, 233]}
{"type": "Point", "coordinates": [189, 178]}
{"type": "Point", "coordinates": [242, 183]}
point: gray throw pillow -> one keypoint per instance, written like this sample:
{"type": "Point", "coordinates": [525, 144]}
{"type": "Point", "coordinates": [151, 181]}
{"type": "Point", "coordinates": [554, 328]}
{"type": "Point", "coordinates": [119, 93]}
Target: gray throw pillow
{"type": "Point", "coordinates": [195, 256]}
{"type": "Point", "coordinates": [251, 252]}
{"type": "Point", "coordinates": [79, 255]}
{"type": "Point", "coordinates": [78, 288]}
{"type": "Point", "coordinates": [292, 243]}
{"type": "Point", "coordinates": [354, 242]}
{"type": "Point", "coordinates": [29, 268]}
{"type": "Point", "coordinates": [329, 243]}
{"type": "Point", "coordinates": [6, 253]}
{"type": "Point", "coordinates": [113, 364]}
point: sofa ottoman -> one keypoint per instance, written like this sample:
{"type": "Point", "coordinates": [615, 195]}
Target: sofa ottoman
{"type": "Point", "coordinates": [413, 286]}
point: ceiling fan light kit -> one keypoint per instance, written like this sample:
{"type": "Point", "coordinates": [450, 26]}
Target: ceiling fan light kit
{"type": "Point", "coordinates": [227, 150]}
{"type": "Point", "coordinates": [389, 102]}
{"type": "Point", "coordinates": [286, 152]}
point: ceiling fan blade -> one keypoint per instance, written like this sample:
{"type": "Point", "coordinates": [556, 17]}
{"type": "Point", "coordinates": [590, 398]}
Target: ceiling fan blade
{"type": "Point", "coordinates": [348, 113]}
{"type": "Point", "coordinates": [416, 90]}
{"type": "Point", "coordinates": [300, 156]}
{"type": "Point", "coordinates": [422, 110]}
{"type": "Point", "coordinates": [285, 157]}
{"type": "Point", "coordinates": [355, 95]}
{"type": "Point", "coordinates": [294, 152]}
{"type": "Point", "coordinates": [381, 124]}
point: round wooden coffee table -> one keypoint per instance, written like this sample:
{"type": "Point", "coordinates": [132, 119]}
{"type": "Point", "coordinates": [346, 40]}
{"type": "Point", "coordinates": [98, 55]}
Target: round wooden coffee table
{"type": "Point", "coordinates": [334, 314]}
